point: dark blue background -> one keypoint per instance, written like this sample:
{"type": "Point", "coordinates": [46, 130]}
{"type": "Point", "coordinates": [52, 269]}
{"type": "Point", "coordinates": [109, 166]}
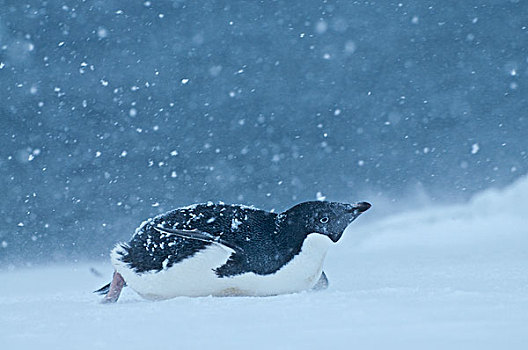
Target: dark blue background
{"type": "Point", "coordinates": [366, 100]}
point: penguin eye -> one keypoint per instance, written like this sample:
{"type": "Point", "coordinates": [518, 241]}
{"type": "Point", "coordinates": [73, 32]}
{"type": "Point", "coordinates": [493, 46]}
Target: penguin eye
{"type": "Point", "coordinates": [324, 220]}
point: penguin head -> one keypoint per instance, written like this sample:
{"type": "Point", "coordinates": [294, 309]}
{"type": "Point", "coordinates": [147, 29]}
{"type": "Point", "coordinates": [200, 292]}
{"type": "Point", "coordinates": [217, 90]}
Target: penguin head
{"type": "Point", "coordinates": [327, 218]}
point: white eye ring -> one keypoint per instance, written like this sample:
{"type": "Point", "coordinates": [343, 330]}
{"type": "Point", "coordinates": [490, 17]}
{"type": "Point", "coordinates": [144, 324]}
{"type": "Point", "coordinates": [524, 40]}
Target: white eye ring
{"type": "Point", "coordinates": [324, 220]}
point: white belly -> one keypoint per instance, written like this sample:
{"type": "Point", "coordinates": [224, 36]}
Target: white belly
{"type": "Point", "coordinates": [196, 277]}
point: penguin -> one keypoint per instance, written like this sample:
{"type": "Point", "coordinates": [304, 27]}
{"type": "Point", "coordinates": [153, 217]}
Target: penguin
{"type": "Point", "coordinates": [230, 250]}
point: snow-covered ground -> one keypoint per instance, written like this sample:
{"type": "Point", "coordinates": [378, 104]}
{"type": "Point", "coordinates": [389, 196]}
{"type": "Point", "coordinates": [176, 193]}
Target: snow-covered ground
{"type": "Point", "coordinates": [437, 278]}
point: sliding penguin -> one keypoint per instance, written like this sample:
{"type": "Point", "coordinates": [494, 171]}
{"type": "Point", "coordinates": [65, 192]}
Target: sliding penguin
{"type": "Point", "coordinates": [218, 249]}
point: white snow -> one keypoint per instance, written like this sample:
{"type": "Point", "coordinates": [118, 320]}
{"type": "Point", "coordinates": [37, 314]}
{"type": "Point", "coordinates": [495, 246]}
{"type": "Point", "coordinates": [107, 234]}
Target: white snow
{"type": "Point", "coordinates": [235, 223]}
{"type": "Point", "coordinates": [452, 277]}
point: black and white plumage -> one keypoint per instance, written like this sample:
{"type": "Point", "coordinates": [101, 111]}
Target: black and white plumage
{"type": "Point", "coordinates": [218, 249]}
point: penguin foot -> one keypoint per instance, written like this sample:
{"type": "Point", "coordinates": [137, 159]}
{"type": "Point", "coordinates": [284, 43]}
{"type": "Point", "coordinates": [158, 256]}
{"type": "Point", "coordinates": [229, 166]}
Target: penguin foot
{"type": "Point", "coordinates": [114, 291]}
{"type": "Point", "coordinates": [322, 283]}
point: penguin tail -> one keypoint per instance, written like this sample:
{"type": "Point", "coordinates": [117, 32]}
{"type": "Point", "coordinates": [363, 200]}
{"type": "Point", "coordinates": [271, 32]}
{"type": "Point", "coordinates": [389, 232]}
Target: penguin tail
{"type": "Point", "coordinates": [103, 290]}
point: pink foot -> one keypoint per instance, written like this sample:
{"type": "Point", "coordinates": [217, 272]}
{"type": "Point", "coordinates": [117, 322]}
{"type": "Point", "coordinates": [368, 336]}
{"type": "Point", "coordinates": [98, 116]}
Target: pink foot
{"type": "Point", "coordinates": [115, 289]}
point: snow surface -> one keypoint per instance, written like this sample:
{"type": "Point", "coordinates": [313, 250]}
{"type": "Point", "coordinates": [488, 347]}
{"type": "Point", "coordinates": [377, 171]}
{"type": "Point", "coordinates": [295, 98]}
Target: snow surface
{"type": "Point", "coordinates": [447, 277]}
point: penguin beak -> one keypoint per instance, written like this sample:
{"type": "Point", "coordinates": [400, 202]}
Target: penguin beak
{"type": "Point", "coordinates": [358, 208]}
{"type": "Point", "coordinates": [352, 212]}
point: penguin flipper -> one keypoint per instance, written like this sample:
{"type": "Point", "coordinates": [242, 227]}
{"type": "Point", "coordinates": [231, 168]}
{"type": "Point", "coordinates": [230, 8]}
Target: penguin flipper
{"type": "Point", "coordinates": [200, 236]}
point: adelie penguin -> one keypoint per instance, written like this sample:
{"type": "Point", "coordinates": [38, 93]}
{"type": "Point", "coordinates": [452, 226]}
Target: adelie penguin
{"type": "Point", "coordinates": [218, 249]}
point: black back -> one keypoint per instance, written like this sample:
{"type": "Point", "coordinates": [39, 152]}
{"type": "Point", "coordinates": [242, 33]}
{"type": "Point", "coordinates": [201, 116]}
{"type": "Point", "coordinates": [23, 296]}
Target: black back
{"type": "Point", "coordinates": [246, 227]}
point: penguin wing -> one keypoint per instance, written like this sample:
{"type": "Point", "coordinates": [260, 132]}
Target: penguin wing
{"type": "Point", "coordinates": [200, 236]}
